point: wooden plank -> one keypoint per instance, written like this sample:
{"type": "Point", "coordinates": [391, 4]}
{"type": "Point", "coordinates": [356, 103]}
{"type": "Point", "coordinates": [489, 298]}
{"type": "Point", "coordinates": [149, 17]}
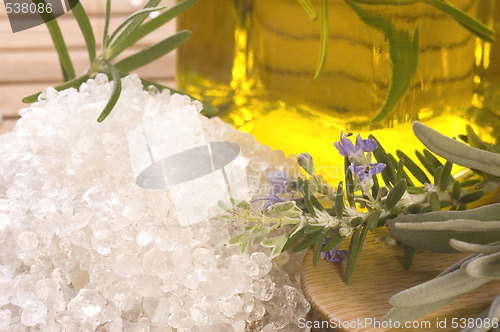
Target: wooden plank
{"type": "Point", "coordinates": [39, 38]}
{"type": "Point", "coordinates": [11, 95]}
{"type": "Point", "coordinates": [98, 7]}
{"type": "Point", "coordinates": [379, 274]}
{"type": "Point", "coordinates": [43, 66]}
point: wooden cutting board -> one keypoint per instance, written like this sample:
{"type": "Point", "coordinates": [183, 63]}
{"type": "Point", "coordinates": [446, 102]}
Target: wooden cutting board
{"type": "Point", "coordinates": [378, 275]}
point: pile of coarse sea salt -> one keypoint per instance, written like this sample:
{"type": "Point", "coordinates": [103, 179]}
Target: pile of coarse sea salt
{"type": "Point", "coordinates": [84, 248]}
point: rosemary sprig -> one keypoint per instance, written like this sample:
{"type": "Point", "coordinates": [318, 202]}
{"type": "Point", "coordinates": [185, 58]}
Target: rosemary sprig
{"type": "Point", "coordinates": [308, 213]}
{"type": "Point", "coordinates": [125, 35]}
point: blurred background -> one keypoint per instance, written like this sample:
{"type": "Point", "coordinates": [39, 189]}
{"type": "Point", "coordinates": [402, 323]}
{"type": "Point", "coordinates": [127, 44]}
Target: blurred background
{"type": "Point", "coordinates": [29, 62]}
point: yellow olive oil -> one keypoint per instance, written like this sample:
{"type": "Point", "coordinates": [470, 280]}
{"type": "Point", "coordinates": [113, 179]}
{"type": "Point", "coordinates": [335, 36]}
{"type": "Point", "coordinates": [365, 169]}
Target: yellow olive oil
{"type": "Point", "coordinates": [256, 59]}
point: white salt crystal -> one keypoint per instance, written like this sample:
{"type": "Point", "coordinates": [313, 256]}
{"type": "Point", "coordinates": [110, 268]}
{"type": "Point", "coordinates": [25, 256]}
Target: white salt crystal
{"type": "Point", "coordinates": [263, 262]}
{"type": "Point", "coordinates": [88, 303]}
{"type": "Point", "coordinates": [116, 325]}
{"type": "Point", "coordinates": [84, 248]}
{"type": "Point", "coordinates": [263, 289]}
{"type": "Point", "coordinates": [6, 272]}
{"type": "Point", "coordinates": [186, 276]}
{"type": "Point", "coordinates": [5, 318]}
{"type": "Point", "coordinates": [34, 314]}
{"type": "Point", "coordinates": [24, 292]}
{"type": "Point", "coordinates": [144, 238]}
{"type": "Point", "coordinates": [27, 240]}
{"type": "Point", "coordinates": [204, 258]}
{"type": "Point", "coordinates": [231, 305]}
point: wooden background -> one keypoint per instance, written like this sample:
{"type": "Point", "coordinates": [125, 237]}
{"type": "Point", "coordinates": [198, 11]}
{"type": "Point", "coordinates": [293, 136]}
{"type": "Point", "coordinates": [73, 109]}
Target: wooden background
{"type": "Point", "coordinates": [29, 63]}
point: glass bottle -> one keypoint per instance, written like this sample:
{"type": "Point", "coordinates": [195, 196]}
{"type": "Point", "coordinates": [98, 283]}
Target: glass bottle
{"type": "Point", "coordinates": [255, 60]}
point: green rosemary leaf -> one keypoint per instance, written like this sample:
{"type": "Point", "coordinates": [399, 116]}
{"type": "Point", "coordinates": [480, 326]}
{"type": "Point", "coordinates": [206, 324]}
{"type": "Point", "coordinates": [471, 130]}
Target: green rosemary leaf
{"type": "Point", "coordinates": [468, 22]}
{"type": "Point", "coordinates": [375, 187]}
{"type": "Point", "coordinates": [134, 20]}
{"type": "Point", "coordinates": [120, 45]}
{"type": "Point", "coordinates": [105, 35]}
{"type": "Point", "coordinates": [349, 183]}
{"type": "Point", "coordinates": [153, 52]}
{"type": "Point", "coordinates": [316, 203]}
{"type": "Point", "coordinates": [294, 238]}
{"type": "Point", "coordinates": [74, 83]}
{"type": "Point", "coordinates": [333, 242]}
{"type": "Point", "coordinates": [409, 252]}
{"type": "Point", "coordinates": [134, 23]}
{"type": "Point", "coordinates": [309, 8]}
{"type": "Point", "coordinates": [355, 222]}
{"type": "Point", "coordinates": [416, 171]}
{"type": "Point", "coordinates": [372, 220]}
{"type": "Point", "coordinates": [427, 165]}
{"type": "Point", "coordinates": [432, 159]}
{"type": "Point", "coordinates": [395, 194]}
{"type": "Point", "coordinates": [456, 190]}
{"type": "Point", "coordinates": [446, 177]}
{"type": "Point", "coordinates": [306, 162]}
{"type": "Point", "coordinates": [401, 173]}
{"type": "Point", "coordinates": [352, 256]}
{"type": "Point", "coordinates": [208, 109]}
{"type": "Point", "coordinates": [476, 142]}
{"type": "Point", "coordinates": [438, 173]}
{"type": "Point", "coordinates": [389, 173]}
{"type": "Point", "coordinates": [362, 238]}
{"type": "Point", "coordinates": [472, 196]}
{"type": "Point", "coordinates": [84, 23]}
{"type": "Point", "coordinates": [434, 202]}
{"type": "Point", "coordinates": [324, 33]}
{"type": "Point", "coordinates": [473, 25]}
{"type": "Point", "coordinates": [403, 52]}
{"type": "Point", "coordinates": [308, 241]}
{"type": "Point", "coordinates": [398, 166]}
{"type": "Point", "coordinates": [115, 94]}
{"type": "Point", "coordinates": [318, 244]}
{"type": "Point", "coordinates": [464, 138]}
{"type": "Point", "coordinates": [312, 229]}
{"type": "Point", "coordinates": [415, 208]}
{"type": "Point", "coordinates": [307, 198]}
{"type": "Point", "coordinates": [339, 201]}
{"type": "Point", "coordinates": [416, 190]}
{"type": "Point", "coordinates": [58, 40]}
{"type": "Point", "coordinates": [469, 183]}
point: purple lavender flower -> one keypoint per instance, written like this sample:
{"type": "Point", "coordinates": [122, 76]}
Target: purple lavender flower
{"type": "Point", "coordinates": [334, 255]}
{"type": "Point", "coordinates": [278, 179]}
{"type": "Point", "coordinates": [367, 145]}
{"type": "Point", "coordinates": [365, 172]}
{"type": "Point", "coordinates": [272, 199]}
{"type": "Point", "coordinates": [347, 149]}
